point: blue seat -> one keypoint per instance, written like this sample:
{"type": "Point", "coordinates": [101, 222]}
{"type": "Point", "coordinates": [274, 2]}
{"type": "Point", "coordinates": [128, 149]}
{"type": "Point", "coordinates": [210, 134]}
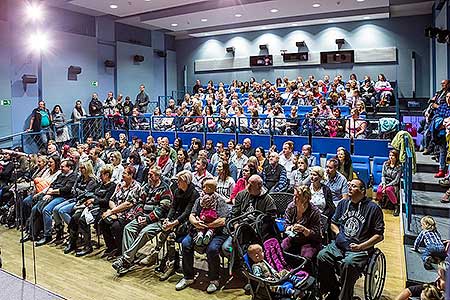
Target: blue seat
{"type": "Point", "coordinates": [281, 89]}
{"type": "Point", "coordinates": [220, 137]}
{"type": "Point", "coordinates": [186, 137]}
{"type": "Point", "coordinates": [299, 141]}
{"type": "Point", "coordinates": [170, 134]}
{"type": "Point", "coordinates": [226, 86]}
{"type": "Point", "coordinates": [345, 110]}
{"type": "Point", "coordinates": [330, 156]}
{"type": "Point", "coordinates": [304, 109]}
{"type": "Point", "coordinates": [258, 140]}
{"type": "Point", "coordinates": [325, 145]}
{"type": "Point", "coordinates": [115, 133]}
{"type": "Point", "coordinates": [245, 95]}
{"type": "Point", "coordinates": [371, 147]}
{"type": "Point", "coordinates": [287, 109]}
{"type": "Point", "coordinates": [140, 134]}
{"type": "Point", "coordinates": [317, 155]}
{"type": "Point", "coordinates": [377, 169]}
{"type": "Point", "coordinates": [361, 166]}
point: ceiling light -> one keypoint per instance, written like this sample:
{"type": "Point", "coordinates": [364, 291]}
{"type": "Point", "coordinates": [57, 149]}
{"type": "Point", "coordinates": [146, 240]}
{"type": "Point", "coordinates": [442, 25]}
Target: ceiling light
{"type": "Point", "coordinates": [113, 6]}
{"type": "Point", "coordinates": [316, 5]}
{"type": "Point", "coordinates": [366, 18]}
{"type": "Point", "coordinates": [360, 0]}
{"type": "Point", "coordinates": [294, 24]}
{"type": "Point", "coordinates": [238, 15]}
{"type": "Point", "coordinates": [204, 20]}
{"type": "Point", "coordinates": [274, 10]}
{"type": "Point", "coordinates": [264, 27]}
{"type": "Point", "coordinates": [148, 0]}
{"type": "Point", "coordinates": [330, 21]}
{"type": "Point", "coordinates": [34, 12]}
{"type": "Point", "coordinates": [174, 24]}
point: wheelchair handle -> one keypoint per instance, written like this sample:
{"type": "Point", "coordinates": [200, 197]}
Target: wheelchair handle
{"type": "Point", "coordinates": [231, 222]}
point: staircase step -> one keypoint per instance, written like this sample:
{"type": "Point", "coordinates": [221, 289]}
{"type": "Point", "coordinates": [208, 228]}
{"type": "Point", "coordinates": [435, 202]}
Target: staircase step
{"type": "Point", "coordinates": [415, 272]}
{"type": "Point", "coordinates": [429, 203]}
{"type": "Point", "coordinates": [442, 224]}
{"type": "Point", "coordinates": [426, 182]}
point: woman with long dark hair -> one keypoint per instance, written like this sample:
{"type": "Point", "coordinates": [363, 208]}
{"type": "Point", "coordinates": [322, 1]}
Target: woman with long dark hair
{"type": "Point", "coordinates": [390, 181]}
{"type": "Point", "coordinates": [225, 183]}
{"type": "Point", "coordinates": [345, 163]}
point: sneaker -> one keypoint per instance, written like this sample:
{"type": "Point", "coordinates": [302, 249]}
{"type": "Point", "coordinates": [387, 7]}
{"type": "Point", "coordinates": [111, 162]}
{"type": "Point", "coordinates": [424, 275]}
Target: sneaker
{"type": "Point", "coordinates": [170, 270]}
{"type": "Point", "coordinates": [427, 263]}
{"type": "Point", "coordinates": [124, 268]}
{"type": "Point", "coordinates": [207, 237]}
{"type": "Point", "coordinates": [212, 287]}
{"type": "Point", "coordinates": [440, 174]}
{"type": "Point", "coordinates": [183, 283]}
{"type": "Point", "coordinates": [151, 259]}
{"type": "Point", "coordinates": [118, 263]}
{"type": "Point", "coordinates": [198, 240]}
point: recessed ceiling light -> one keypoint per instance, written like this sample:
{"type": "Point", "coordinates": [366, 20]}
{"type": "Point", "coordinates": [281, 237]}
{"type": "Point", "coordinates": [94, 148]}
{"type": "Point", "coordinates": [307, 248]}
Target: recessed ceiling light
{"type": "Point", "coordinates": [113, 6]}
{"type": "Point", "coordinates": [238, 15]}
{"type": "Point", "coordinates": [330, 21]}
{"type": "Point", "coordinates": [366, 18]}
{"type": "Point", "coordinates": [264, 27]}
{"type": "Point", "coordinates": [204, 20]}
{"type": "Point", "coordinates": [360, 0]}
{"type": "Point", "coordinates": [174, 24]}
{"type": "Point", "coordinates": [316, 5]}
{"type": "Point", "coordinates": [274, 10]}
{"type": "Point", "coordinates": [148, 0]}
{"type": "Point", "coordinates": [294, 24]}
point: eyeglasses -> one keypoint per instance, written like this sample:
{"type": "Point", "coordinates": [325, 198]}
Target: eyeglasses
{"type": "Point", "coordinates": [353, 186]}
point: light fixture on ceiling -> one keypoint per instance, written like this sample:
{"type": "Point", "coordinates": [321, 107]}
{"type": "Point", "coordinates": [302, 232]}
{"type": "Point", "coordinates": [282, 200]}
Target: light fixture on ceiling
{"type": "Point", "coordinates": [148, 0]}
{"type": "Point", "coordinates": [264, 27]}
{"type": "Point", "coordinates": [294, 24]}
{"type": "Point", "coordinates": [174, 24]}
{"type": "Point", "coordinates": [238, 15]}
{"type": "Point", "coordinates": [330, 21]}
{"type": "Point", "coordinates": [315, 5]}
{"type": "Point", "coordinates": [113, 6]}
{"type": "Point", "coordinates": [360, 0]}
{"type": "Point", "coordinates": [204, 20]}
{"type": "Point", "coordinates": [366, 18]}
{"type": "Point", "coordinates": [274, 10]}
{"type": "Point", "coordinates": [34, 12]}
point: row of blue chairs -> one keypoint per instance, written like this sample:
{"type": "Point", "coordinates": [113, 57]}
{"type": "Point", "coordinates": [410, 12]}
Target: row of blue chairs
{"type": "Point", "coordinates": [320, 145]}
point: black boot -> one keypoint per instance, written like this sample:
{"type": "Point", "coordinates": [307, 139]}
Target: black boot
{"type": "Point", "coordinates": [396, 210]}
{"type": "Point", "coordinates": [86, 250]}
{"type": "Point", "coordinates": [59, 235]}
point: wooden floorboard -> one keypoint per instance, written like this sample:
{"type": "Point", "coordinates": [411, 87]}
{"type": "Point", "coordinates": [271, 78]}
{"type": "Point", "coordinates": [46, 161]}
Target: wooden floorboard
{"type": "Point", "coordinates": [93, 278]}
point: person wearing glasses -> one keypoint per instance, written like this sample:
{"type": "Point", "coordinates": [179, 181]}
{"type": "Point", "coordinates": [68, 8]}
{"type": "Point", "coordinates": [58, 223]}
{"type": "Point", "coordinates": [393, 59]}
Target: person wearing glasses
{"type": "Point", "coordinates": [358, 225]}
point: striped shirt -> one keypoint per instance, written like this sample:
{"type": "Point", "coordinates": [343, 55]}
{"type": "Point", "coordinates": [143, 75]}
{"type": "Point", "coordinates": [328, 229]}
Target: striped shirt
{"type": "Point", "coordinates": [428, 237]}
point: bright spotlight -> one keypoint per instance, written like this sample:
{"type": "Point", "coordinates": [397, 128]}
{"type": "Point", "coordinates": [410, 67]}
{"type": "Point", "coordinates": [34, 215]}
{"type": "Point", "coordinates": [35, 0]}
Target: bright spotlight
{"type": "Point", "coordinates": [39, 41]}
{"type": "Point", "coordinates": [34, 12]}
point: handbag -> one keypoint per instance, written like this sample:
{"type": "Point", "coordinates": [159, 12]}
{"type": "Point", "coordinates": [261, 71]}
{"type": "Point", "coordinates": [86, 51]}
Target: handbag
{"type": "Point", "coordinates": [40, 184]}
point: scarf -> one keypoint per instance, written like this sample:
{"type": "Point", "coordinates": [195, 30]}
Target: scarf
{"type": "Point", "coordinates": [162, 161]}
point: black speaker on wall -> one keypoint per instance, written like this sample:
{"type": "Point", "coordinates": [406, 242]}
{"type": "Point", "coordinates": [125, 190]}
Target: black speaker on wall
{"type": "Point", "coordinates": [72, 72]}
{"type": "Point", "coordinates": [262, 47]}
{"type": "Point", "coordinates": [138, 58]}
{"type": "Point", "coordinates": [160, 53]}
{"type": "Point", "coordinates": [109, 64]}
{"type": "Point", "coordinates": [28, 79]}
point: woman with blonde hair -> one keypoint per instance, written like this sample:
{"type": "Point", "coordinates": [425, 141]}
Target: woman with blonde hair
{"type": "Point", "coordinates": [115, 159]}
{"type": "Point", "coordinates": [321, 195]}
{"type": "Point", "coordinates": [303, 225]}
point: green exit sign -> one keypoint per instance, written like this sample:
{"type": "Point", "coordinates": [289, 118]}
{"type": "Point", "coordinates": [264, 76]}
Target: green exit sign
{"type": "Point", "coordinates": [94, 83]}
{"type": "Point", "coordinates": [5, 102]}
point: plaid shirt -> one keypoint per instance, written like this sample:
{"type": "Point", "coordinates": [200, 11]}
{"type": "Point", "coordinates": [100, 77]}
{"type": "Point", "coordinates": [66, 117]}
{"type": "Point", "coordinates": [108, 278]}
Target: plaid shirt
{"type": "Point", "coordinates": [428, 237]}
{"type": "Point", "coordinates": [443, 110]}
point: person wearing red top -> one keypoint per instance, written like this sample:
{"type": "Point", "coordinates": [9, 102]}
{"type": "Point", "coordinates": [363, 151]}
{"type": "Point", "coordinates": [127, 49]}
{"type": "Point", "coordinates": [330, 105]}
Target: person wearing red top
{"type": "Point", "coordinates": [247, 171]}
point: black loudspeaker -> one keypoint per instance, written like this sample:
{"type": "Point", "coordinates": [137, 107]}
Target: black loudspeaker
{"type": "Point", "coordinates": [230, 49]}
{"type": "Point", "coordinates": [138, 58]}
{"type": "Point", "coordinates": [160, 53]}
{"type": "Point", "coordinates": [340, 42]}
{"type": "Point", "coordinates": [262, 47]}
{"type": "Point", "coordinates": [28, 79]}
{"type": "Point", "coordinates": [110, 64]}
{"type": "Point", "coordinates": [300, 44]}
{"type": "Point", "coordinates": [73, 72]}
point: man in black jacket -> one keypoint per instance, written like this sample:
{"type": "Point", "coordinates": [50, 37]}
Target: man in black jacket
{"type": "Point", "coordinates": [95, 106]}
{"type": "Point", "coordinates": [142, 100]}
{"type": "Point", "coordinates": [59, 191]}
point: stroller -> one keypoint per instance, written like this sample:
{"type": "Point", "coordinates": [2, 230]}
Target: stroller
{"type": "Point", "coordinates": [264, 232]}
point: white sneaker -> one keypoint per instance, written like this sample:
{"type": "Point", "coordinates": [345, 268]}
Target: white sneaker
{"type": "Point", "coordinates": [213, 286]}
{"type": "Point", "coordinates": [183, 283]}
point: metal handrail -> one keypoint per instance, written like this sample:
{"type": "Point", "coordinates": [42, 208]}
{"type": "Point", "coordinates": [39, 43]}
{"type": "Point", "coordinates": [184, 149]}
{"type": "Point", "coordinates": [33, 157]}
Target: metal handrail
{"type": "Point", "coordinates": [407, 182]}
{"type": "Point", "coordinates": [8, 137]}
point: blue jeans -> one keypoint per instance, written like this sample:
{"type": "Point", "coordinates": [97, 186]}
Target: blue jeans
{"type": "Point", "coordinates": [63, 211]}
{"type": "Point", "coordinates": [442, 156]}
{"type": "Point", "coordinates": [212, 255]}
{"type": "Point", "coordinates": [434, 250]}
{"type": "Point", "coordinates": [47, 215]}
{"type": "Point", "coordinates": [27, 204]}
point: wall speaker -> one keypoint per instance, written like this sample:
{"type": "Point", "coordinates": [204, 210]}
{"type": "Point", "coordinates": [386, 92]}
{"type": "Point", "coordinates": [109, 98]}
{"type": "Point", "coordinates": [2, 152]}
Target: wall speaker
{"type": "Point", "coordinates": [109, 64]}
{"type": "Point", "coordinates": [300, 44]}
{"type": "Point", "coordinates": [28, 79]}
{"type": "Point", "coordinates": [230, 50]}
{"type": "Point", "coordinates": [160, 53]}
{"type": "Point", "coordinates": [138, 58]}
{"type": "Point", "coordinates": [340, 42]}
{"type": "Point", "coordinates": [262, 47]}
{"type": "Point", "coordinates": [72, 73]}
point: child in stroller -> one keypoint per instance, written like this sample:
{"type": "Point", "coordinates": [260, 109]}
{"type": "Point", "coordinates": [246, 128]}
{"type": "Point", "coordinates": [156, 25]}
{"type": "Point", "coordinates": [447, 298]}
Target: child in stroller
{"type": "Point", "coordinates": [261, 268]}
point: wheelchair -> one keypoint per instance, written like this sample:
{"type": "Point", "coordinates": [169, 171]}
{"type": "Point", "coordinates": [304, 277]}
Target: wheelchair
{"type": "Point", "coordinates": [375, 275]}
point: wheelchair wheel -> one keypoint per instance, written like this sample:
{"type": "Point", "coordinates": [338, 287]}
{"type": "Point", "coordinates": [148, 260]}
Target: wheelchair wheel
{"type": "Point", "coordinates": [375, 276]}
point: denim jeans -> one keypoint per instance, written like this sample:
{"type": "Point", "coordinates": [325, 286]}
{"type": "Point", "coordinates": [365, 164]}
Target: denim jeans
{"type": "Point", "coordinates": [63, 212]}
{"type": "Point", "coordinates": [47, 215]}
{"type": "Point", "coordinates": [442, 156]}
{"type": "Point", "coordinates": [27, 204]}
{"type": "Point", "coordinates": [212, 255]}
{"type": "Point", "coordinates": [434, 250]}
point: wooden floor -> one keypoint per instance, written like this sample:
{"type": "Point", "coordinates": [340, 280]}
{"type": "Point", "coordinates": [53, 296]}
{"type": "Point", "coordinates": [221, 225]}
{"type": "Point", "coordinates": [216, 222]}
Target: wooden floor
{"type": "Point", "coordinates": [93, 278]}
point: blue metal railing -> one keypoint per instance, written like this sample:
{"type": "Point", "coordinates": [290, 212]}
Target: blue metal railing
{"type": "Point", "coordinates": [407, 182]}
